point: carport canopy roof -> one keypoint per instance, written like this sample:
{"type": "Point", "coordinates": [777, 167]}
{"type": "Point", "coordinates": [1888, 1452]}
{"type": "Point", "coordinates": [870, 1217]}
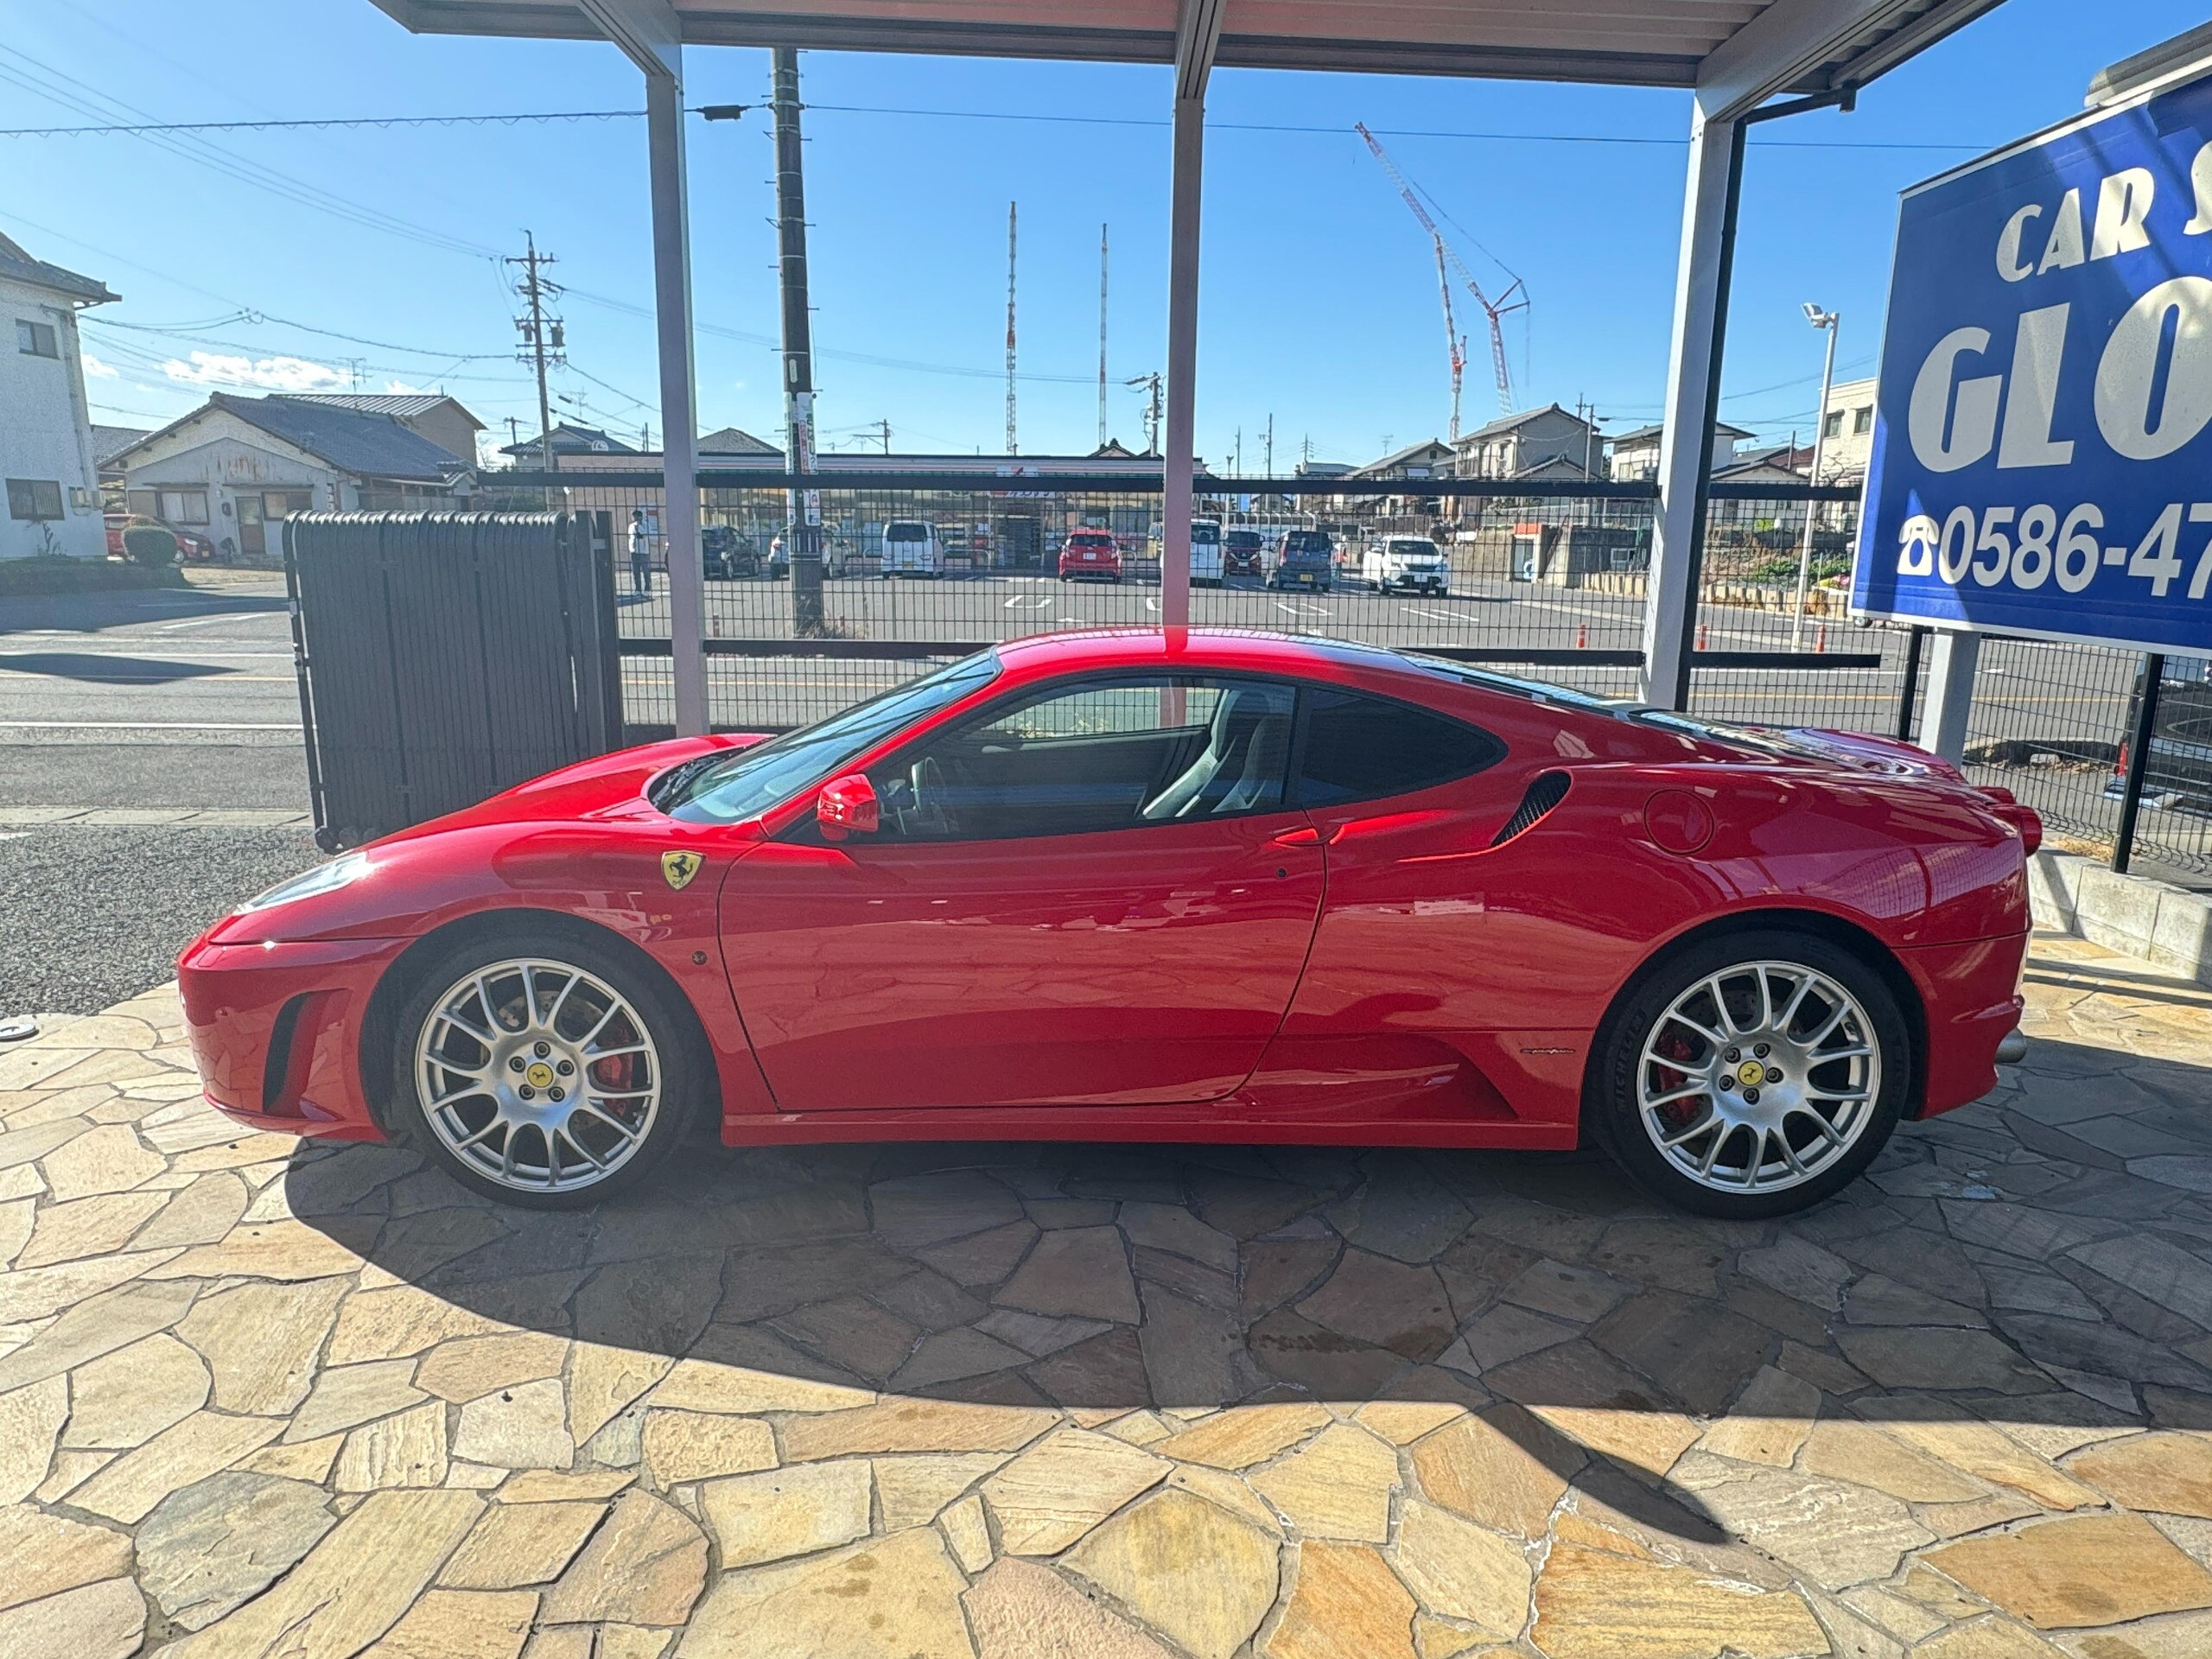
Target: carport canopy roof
{"type": "Point", "coordinates": [1767, 46]}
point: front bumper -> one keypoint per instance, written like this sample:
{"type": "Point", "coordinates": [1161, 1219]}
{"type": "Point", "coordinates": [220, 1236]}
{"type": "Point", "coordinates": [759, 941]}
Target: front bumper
{"type": "Point", "coordinates": [276, 1030]}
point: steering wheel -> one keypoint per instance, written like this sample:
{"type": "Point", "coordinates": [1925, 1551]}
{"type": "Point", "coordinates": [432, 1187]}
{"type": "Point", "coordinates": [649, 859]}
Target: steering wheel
{"type": "Point", "coordinates": [928, 815]}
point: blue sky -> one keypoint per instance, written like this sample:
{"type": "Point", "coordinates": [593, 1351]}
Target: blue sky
{"type": "Point", "coordinates": [1320, 306]}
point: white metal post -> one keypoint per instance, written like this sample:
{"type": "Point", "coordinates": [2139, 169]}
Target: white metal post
{"type": "Point", "coordinates": [1833, 322]}
{"type": "Point", "coordinates": [1198, 32]}
{"type": "Point", "coordinates": [1700, 290]}
{"type": "Point", "coordinates": [679, 416]}
{"type": "Point", "coordinates": [1180, 462]}
{"type": "Point", "coordinates": [1949, 701]}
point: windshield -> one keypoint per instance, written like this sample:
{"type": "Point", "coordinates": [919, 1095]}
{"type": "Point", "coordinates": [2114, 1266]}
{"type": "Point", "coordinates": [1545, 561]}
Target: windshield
{"type": "Point", "coordinates": [906, 532]}
{"type": "Point", "coordinates": [1413, 550]}
{"type": "Point", "coordinates": [1306, 545]}
{"type": "Point", "coordinates": [745, 785]}
{"type": "Point", "coordinates": [1205, 532]}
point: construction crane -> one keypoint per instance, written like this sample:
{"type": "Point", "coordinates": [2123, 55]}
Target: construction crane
{"type": "Point", "coordinates": [1455, 343]}
{"type": "Point", "coordinates": [1494, 309]}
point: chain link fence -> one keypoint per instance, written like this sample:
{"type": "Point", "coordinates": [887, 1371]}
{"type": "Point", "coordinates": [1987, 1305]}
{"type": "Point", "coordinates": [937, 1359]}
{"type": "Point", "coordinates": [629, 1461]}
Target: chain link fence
{"type": "Point", "coordinates": [1550, 582]}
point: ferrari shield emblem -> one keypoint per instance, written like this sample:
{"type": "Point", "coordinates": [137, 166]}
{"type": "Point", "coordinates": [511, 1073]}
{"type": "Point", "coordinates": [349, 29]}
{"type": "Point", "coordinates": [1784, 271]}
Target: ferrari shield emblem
{"type": "Point", "coordinates": [679, 867]}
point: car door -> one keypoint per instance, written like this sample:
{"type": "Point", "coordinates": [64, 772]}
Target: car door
{"type": "Point", "coordinates": [1092, 893]}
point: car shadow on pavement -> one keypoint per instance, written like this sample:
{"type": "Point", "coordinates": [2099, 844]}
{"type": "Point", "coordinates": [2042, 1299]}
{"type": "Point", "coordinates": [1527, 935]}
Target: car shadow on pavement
{"type": "Point", "coordinates": [2038, 1259]}
{"type": "Point", "coordinates": [100, 669]}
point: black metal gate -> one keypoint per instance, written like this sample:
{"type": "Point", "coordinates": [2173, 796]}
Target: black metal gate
{"type": "Point", "coordinates": [444, 657]}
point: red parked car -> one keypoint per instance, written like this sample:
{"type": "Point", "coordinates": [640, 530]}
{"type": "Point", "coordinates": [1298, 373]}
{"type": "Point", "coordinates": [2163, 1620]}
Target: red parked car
{"type": "Point", "coordinates": [1156, 885]}
{"type": "Point", "coordinates": [190, 543]}
{"type": "Point", "coordinates": [1093, 554]}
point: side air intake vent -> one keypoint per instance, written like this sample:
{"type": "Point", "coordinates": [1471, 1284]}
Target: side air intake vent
{"type": "Point", "coordinates": [1544, 793]}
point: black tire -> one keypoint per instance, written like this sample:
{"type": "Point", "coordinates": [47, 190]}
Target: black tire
{"type": "Point", "coordinates": [685, 1069]}
{"type": "Point", "coordinates": [1611, 1106]}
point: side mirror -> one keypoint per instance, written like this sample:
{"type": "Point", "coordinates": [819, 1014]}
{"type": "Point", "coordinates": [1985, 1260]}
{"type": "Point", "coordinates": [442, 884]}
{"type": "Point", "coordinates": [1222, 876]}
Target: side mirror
{"type": "Point", "coordinates": [847, 807]}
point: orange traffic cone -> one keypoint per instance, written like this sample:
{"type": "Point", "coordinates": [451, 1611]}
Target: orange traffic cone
{"type": "Point", "coordinates": [1582, 638]}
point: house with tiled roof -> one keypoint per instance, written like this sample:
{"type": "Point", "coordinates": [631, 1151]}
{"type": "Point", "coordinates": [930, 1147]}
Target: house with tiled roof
{"type": "Point", "coordinates": [236, 467]}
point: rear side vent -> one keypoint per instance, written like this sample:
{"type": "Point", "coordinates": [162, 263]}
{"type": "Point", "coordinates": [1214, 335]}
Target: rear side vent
{"type": "Point", "coordinates": [1544, 793]}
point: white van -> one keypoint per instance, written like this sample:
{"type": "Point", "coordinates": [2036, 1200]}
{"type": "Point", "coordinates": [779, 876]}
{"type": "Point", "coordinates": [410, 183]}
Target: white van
{"type": "Point", "coordinates": [910, 548]}
{"type": "Point", "coordinates": [1205, 553]}
{"type": "Point", "coordinates": [1412, 563]}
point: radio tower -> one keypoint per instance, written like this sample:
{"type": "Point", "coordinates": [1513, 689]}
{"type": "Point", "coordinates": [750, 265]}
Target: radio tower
{"type": "Point", "coordinates": [1102, 336]}
{"type": "Point", "coordinates": [1013, 447]}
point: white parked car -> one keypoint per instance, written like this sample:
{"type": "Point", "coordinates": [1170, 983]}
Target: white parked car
{"type": "Point", "coordinates": [910, 548]}
{"type": "Point", "coordinates": [1411, 562]}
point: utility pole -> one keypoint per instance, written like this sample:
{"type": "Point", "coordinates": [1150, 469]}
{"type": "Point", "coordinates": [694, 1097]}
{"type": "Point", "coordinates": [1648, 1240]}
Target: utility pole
{"type": "Point", "coordinates": [542, 338]}
{"type": "Point", "coordinates": [1102, 336]}
{"type": "Point", "coordinates": [884, 426]}
{"type": "Point", "coordinates": [1271, 445]}
{"type": "Point", "coordinates": [1013, 447]}
{"type": "Point", "coordinates": [1829, 322]}
{"type": "Point", "coordinates": [804, 505]}
{"type": "Point", "coordinates": [1151, 383]}
{"type": "Point", "coordinates": [1236, 453]}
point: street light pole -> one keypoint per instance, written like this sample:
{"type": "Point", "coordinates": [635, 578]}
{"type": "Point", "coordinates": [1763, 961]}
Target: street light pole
{"type": "Point", "coordinates": [1827, 320]}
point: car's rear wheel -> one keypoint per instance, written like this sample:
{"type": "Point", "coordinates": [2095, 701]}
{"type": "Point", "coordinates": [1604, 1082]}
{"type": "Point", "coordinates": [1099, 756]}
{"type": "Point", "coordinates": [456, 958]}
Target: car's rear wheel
{"type": "Point", "coordinates": [544, 1071]}
{"type": "Point", "coordinates": [1751, 1075]}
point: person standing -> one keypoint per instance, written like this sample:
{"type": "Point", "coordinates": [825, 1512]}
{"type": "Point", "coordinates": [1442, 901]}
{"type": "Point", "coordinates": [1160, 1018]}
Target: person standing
{"type": "Point", "coordinates": [641, 560]}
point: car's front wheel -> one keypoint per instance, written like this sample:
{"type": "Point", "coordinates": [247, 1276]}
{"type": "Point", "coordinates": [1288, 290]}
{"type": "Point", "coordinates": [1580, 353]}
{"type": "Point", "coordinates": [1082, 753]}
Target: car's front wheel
{"type": "Point", "coordinates": [546, 1071]}
{"type": "Point", "coordinates": [1750, 1075]}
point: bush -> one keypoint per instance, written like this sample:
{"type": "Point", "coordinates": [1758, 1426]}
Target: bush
{"type": "Point", "coordinates": [39, 574]}
{"type": "Point", "coordinates": [149, 545]}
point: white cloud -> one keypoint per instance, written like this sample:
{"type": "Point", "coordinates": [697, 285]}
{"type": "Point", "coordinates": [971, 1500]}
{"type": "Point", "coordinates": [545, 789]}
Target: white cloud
{"type": "Point", "coordinates": [266, 373]}
{"type": "Point", "coordinates": [401, 389]}
{"type": "Point", "coordinates": [97, 369]}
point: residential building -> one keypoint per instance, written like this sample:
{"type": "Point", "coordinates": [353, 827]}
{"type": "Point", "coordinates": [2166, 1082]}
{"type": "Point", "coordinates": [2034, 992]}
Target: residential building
{"type": "Point", "coordinates": [568, 438]}
{"type": "Point", "coordinates": [236, 467]}
{"type": "Point", "coordinates": [1516, 445]}
{"type": "Point", "coordinates": [1431, 458]}
{"type": "Point", "coordinates": [108, 443]}
{"type": "Point", "coordinates": [1848, 433]}
{"type": "Point", "coordinates": [735, 440]}
{"type": "Point", "coordinates": [46, 431]}
{"type": "Point", "coordinates": [431, 414]}
{"type": "Point", "coordinates": [1634, 456]}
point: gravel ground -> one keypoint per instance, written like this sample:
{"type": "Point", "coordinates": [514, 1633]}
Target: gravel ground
{"type": "Point", "coordinates": [92, 916]}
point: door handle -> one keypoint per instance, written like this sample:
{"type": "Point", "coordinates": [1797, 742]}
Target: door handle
{"type": "Point", "coordinates": [1304, 835]}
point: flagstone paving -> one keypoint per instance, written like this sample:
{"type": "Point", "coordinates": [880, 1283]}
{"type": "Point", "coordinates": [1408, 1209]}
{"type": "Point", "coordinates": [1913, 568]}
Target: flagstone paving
{"type": "Point", "coordinates": [262, 1397]}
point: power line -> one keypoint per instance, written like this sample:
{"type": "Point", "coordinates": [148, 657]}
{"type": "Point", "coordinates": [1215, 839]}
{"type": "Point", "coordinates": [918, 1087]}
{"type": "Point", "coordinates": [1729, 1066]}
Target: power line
{"type": "Point", "coordinates": [517, 118]}
{"type": "Point", "coordinates": [135, 129]}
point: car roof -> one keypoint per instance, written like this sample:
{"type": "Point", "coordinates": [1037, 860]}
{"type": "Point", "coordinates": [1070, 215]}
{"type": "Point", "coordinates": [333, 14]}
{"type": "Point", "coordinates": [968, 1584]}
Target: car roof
{"type": "Point", "coordinates": [1255, 649]}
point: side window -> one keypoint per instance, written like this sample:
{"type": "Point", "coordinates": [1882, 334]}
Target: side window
{"type": "Point", "coordinates": [1095, 755]}
{"type": "Point", "coordinates": [1364, 748]}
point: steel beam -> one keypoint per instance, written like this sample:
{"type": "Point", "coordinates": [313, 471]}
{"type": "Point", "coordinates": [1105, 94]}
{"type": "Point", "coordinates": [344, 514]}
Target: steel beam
{"type": "Point", "coordinates": [679, 406]}
{"type": "Point", "coordinates": [1951, 665]}
{"type": "Point", "coordinates": [1197, 35]}
{"type": "Point", "coordinates": [1693, 385]}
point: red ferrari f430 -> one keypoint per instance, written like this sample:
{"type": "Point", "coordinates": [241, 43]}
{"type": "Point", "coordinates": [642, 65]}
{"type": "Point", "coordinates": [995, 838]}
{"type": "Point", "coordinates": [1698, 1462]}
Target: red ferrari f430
{"type": "Point", "coordinates": [1171, 885]}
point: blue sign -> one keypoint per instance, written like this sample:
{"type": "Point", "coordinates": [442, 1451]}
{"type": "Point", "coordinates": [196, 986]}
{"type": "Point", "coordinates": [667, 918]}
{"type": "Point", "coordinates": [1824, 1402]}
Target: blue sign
{"type": "Point", "coordinates": [2042, 440]}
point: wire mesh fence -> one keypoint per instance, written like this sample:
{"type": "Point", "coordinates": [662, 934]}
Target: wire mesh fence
{"type": "Point", "coordinates": [919, 569]}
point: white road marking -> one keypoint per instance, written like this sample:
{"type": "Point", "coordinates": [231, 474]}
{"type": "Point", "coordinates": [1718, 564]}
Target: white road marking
{"type": "Point", "coordinates": [1301, 610]}
{"type": "Point", "coordinates": [140, 726]}
{"type": "Point", "coordinates": [1025, 601]}
{"type": "Point", "coordinates": [195, 622]}
{"type": "Point", "coordinates": [1152, 604]}
{"type": "Point", "coordinates": [1441, 616]}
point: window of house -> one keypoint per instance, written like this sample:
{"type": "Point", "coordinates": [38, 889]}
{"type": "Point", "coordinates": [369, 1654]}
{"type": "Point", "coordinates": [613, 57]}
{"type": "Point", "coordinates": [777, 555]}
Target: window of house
{"type": "Point", "coordinates": [183, 506]}
{"type": "Point", "coordinates": [1362, 749]}
{"type": "Point", "coordinates": [33, 498]}
{"type": "Point", "coordinates": [1832, 424]}
{"type": "Point", "coordinates": [1862, 421]}
{"type": "Point", "coordinates": [36, 338]}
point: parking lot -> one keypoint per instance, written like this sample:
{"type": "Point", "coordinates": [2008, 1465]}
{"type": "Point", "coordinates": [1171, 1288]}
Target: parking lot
{"type": "Point", "coordinates": [960, 1402]}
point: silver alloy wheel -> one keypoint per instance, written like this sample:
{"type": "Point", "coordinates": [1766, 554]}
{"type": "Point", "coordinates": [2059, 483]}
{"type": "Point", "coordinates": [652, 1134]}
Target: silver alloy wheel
{"type": "Point", "coordinates": [1759, 1076]}
{"type": "Point", "coordinates": [537, 1075]}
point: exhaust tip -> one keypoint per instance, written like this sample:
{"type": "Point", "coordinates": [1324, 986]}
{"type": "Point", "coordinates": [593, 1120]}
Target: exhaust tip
{"type": "Point", "coordinates": [2013, 1049]}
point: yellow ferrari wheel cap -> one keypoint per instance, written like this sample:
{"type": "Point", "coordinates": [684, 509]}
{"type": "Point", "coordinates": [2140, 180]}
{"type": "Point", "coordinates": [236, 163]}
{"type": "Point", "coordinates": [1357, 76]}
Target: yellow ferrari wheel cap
{"type": "Point", "coordinates": [678, 868]}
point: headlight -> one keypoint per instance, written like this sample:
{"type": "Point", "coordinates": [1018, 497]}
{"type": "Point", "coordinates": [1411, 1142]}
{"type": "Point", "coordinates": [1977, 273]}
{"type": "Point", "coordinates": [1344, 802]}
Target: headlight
{"type": "Point", "coordinates": [308, 884]}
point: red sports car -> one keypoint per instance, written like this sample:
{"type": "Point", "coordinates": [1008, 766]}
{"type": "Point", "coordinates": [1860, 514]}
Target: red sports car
{"type": "Point", "coordinates": [1156, 885]}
